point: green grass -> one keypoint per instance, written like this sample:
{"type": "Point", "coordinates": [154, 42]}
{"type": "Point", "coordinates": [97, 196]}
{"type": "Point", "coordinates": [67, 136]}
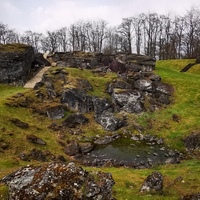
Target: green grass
{"type": "Point", "coordinates": [13, 47]}
{"type": "Point", "coordinates": [186, 101]}
{"type": "Point", "coordinates": [129, 181]}
{"type": "Point", "coordinates": [186, 104]}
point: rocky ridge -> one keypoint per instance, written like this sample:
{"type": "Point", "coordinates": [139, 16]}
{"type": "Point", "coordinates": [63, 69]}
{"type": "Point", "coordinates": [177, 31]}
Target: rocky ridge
{"type": "Point", "coordinates": [58, 181]}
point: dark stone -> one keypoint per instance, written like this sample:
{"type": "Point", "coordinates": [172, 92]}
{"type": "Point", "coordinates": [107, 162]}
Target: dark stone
{"type": "Point", "coordinates": [80, 118]}
{"type": "Point", "coordinates": [72, 148]}
{"type": "Point", "coordinates": [163, 99]}
{"type": "Point", "coordinates": [86, 147]}
{"type": "Point", "coordinates": [39, 60]}
{"type": "Point", "coordinates": [192, 141]}
{"type": "Point", "coordinates": [19, 123]}
{"type": "Point", "coordinates": [38, 155]}
{"type": "Point", "coordinates": [70, 122]}
{"type": "Point", "coordinates": [75, 119]}
{"type": "Point", "coordinates": [58, 181]}
{"type": "Point", "coordinates": [101, 104]}
{"type": "Point", "coordinates": [117, 67]}
{"type": "Point", "coordinates": [77, 100]}
{"type": "Point", "coordinates": [153, 183]}
{"type": "Point", "coordinates": [23, 156]}
{"type": "Point", "coordinates": [35, 139]}
{"type": "Point", "coordinates": [106, 60]}
{"type": "Point", "coordinates": [163, 88]}
{"type": "Point", "coordinates": [56, 112]}
{"type": "Point", "coordinates": [176, 118]}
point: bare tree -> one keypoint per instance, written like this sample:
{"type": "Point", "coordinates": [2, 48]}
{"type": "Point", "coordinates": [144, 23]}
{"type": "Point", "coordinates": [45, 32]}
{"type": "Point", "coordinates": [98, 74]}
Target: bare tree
{"type": "Point", "coordinates": [111, 44]}
{"type": "Point", "coordinates": [95, 34]}
{"type": "Point", "coordinates": [138, 22]}
{"type": "Point", "coordinates": [32, 38]}
{"type": "Point", "coordinates": [192, 21]}
{"type": "Point", "coordinates": [126, 29]}
{"type": "Point", "coordinates": [63, 38]}
{"type": "Point", "coordinates": [151, 28]}
{"type": "Point", "coordinates": [51, 41]}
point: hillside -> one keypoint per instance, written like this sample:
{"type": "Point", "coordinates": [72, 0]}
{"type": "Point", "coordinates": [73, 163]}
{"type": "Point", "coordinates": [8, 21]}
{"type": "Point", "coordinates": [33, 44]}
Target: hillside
{"type": "Point", "coordinates": [171, 122]}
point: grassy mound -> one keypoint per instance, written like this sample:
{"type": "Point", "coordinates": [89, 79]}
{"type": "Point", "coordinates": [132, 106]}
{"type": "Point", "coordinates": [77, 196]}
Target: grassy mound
{"type": "Point", "coordinates": [179, 179]}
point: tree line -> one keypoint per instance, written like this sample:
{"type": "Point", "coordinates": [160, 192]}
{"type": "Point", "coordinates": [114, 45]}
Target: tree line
{"type": "Point", "coordinates": [160, 36]}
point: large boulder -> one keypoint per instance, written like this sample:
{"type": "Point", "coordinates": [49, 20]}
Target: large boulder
{"type": "Point", "coordinates": [120, 84]}
{"type": "Point", "coordinates": [143, 85]}
{"type": "Point", "coordinates": [15, 63]}
{"type": "Point", "coordinates": [77, 100]}
{"type": "Point", "coordinates": [128, 100]}
{"type": "Point", "coordinates": [55, 112]}
{"type": "Point", "coordinates": [192, 141]}
{"type": "Point", "coordinates": [74, 119]}
{"type": "Point", "coordinates": [153, 183]}
{"type": "Point", "coordinates": [109, 121]}
{"type": "Point", "coordinates": [117, 67]}
{"type": "Point", "coordinates": [58, 181]}
{"type": "Point", "coordinates": [100, 105]}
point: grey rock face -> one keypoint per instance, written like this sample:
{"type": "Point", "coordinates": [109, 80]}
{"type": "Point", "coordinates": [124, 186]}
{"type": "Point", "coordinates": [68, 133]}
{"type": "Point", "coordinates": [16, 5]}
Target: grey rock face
{"type": "Point", "coordinates": [109, 122]}
{"type": "Point", "coordinates": [15, 63]}
{"type": "Point", "coordinates": [128, 100]}
{"type": "Point", "coordinates": [58, 181]}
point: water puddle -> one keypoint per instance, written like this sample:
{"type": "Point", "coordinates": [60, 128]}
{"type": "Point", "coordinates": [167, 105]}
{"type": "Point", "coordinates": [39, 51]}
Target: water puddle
{"type": "Point", "coordinates": [128, 152]}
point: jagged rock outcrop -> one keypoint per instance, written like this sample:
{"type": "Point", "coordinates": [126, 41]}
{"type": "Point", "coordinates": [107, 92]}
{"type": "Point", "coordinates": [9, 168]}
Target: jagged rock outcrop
{"type": "Point", "coordinates": [58, 181]}
{"type": "Point", "coordinates": [130, 91]}
{"type": "Point", "coordinates": [128, 100]}
{"type": "Point", "coordinates": [153, 183]}
{"type": "Point", "coordinates": [77, 100]}
{"type": "Point", "coordinates": [15, 63]}
{"type": "Point", "coordinates": [117, 63]}
{"type": "Point", "coordinates": [109, 122]}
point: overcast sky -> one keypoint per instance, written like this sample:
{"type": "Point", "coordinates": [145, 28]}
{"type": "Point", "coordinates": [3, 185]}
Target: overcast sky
{"type": "Point", "coordinates": [42, 15]}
